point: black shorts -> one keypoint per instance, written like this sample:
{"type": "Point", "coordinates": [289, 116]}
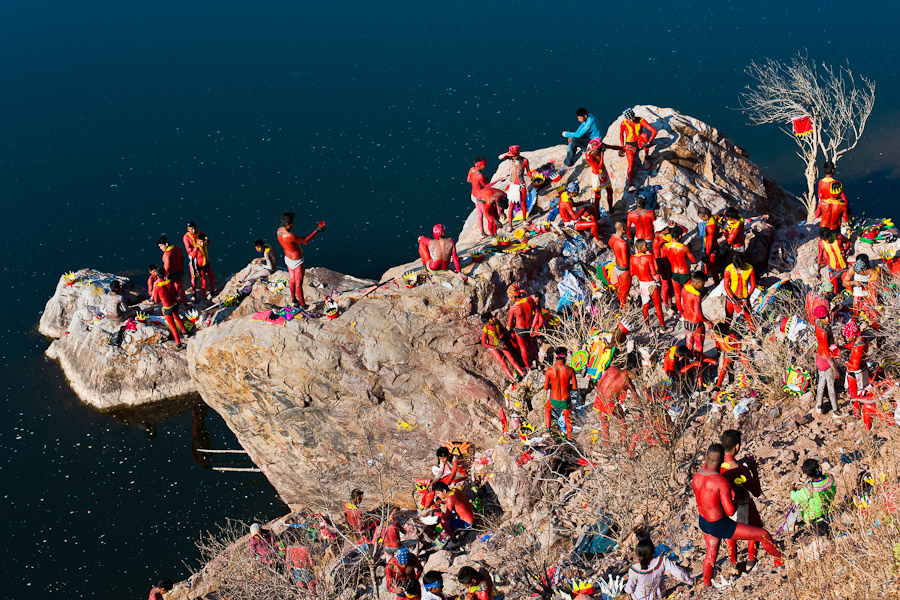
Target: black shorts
{"type": "Point", "coordinates": [168, 310]}
{"type": "Point", "coordinates": [723, 529]}
{"type": "Point", "coordinates": [681, 278]}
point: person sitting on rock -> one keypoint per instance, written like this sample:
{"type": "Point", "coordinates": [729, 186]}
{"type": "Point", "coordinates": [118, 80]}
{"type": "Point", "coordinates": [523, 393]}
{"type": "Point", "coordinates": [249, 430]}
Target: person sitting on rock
{"type": "Point", "coordinates": [599, 174]}
{"type": "Point", "coordinates": [262, 544]}
{"type": "Point", "coordinates": [455, 502]}
{"type": "Point", "coordinates": [833, 209]}
{"type": "Point", "coordinates": [448, 470]}
{"type": "Point", "coordinates": [734, 229]}
{"type": "Point", "coordinates": [641, 219]}
{"type": "Point", "coordinates": [643, 266]}
{"type": "Point", "coordinates": [559, 379]}
{"type": "Point", "coordinates": [813, 496]}
{"type": "Point", "coordinates": [151, 280]}
{"type": "Point", "coordinates": [646, 576]}
{"type": "Point", "coordinates": [588, 129]}
{"type": "Point", "coordinates": [523, 321]}
{"type": "Point", "coordinates": [403, 568]}
{"type": "Point", "coordinates": [164, 293]}
{"type": "Point", "coordinates": [261, 267]}
{"type": "Point", "coordinates": [433, 582]}
{"type": "Point", "coordinates": [831, 256]}
{"type": "Point", "coordinates": [865, 281]}
{"type": "Point", "coordinates": [581, 220]}
{"type": "Point", "coordinates": [635, 134]}
{"type": "Point", "coordinates": [740, 282]}
{"type": "Point", "coordinates": [497, 340]}
{"type": "Point", "coordinates": [518, 169]}
{"type": "Point", "coordinates": [437, 253]}
{"type": "Point", "coordinates": [708, 231]}
{"type": "Point", "coordinates": [479, 583]}
{"type": "Point", "coordinates": [114, 306]}
{"type": "Point", "coordinates": [162, 588]}
{"type": "Point", "coordinates": [743, 476]}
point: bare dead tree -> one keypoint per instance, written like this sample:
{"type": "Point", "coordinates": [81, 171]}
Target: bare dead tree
{"type": "Point", "coordinates": [838, 106]}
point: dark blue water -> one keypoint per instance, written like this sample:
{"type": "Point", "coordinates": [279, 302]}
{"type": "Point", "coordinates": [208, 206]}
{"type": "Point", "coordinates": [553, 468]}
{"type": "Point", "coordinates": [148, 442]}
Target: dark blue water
{"type": "Point", "coordinates": [121, 121]}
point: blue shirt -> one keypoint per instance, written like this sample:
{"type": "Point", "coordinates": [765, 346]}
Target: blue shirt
{"type": "Point", "coordinates": [589, 128]}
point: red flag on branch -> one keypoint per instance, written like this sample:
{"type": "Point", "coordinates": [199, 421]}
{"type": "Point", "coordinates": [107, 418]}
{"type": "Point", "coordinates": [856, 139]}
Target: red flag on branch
{"type": "Point", "coordinates": [802, 125]}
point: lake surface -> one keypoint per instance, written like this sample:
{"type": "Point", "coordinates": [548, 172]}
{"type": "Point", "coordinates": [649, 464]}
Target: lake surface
{"type": "Point", "coordinates": [122, 121]}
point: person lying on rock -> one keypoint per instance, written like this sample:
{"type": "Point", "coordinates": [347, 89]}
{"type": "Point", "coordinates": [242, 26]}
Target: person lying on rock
{"type": "Point", "coordinates": [437, 253]}
{"type": "Point", "coordinates": [479, 583]}
{"type": "Point", "coordinates": [261, 267]}
{"type": "Point", "coordinates": [404, 567]}
{"type": "Point", "coordinates": [559, 379]}
{"type": "Point", "coordinates": [713, 495]}
{"type": "Point", "coordinates": [433, 582]}
{"type": "Point", "coordinates": [262, 544]}
{"type": "Point", "coordinates": [743, 476]}
{"type": "Point", "coordinates": [497, 340]}
{"type": "Point", "coordinates": [647, 575]}
{"type": "Point", "coordinates": [455, 502]}
{"type": "Point", "coordinates": [813, 496]}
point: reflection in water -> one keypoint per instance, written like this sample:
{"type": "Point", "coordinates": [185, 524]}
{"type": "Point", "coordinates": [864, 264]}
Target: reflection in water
{"type": "Point", "coordinates": [200, 437]}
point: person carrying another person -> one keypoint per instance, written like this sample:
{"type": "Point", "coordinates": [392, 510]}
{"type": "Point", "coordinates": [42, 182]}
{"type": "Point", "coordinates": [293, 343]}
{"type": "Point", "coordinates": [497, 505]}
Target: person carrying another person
{"type": "Point", "coordinates": [173, 264]}
{"type": "Point", "coordinates": [680, 258]}
{"type": "Point", "coordinates": [581, 220]}
{"type": "Point", "coordinates": [642, 219]}
{"type": "Point", "coordinates": [455, 502]}
{"type": "Point", "coordinates": [403, 567]}
{"type": "Point", "coordinates": [622, 262]}
{"type": "Point", "coordinates": [831, 256]}
{"type": "Point", "coordinates": [713, 495]}
{"type": "Point", "coordinates": [743, 477]}
{"type": "Point", "coordinates": [864, 280]}
{"type": "Point", "coordinates": [479, 583]}
{"type": "Point", "coordinates": [588, 129]}
{"type": "Point", "coordinates": [293, 255]}
{"type": "Point", "coordinates": [599, 174]}
{"type": "Point", "coordinates": [646, 576]}
{"type": "Point", "coordinates": [735, 235]}
{"type": "Point", "coordinates": [523, 321]}
{"type": "Point", "coordinates": [164, 293]}
{"type": "Point", "coordinates": [740, 281]}
{"type": "Point", "coordinates": [198, 254]}
{"type": "Point", "coordinates": [662, 236]}
{"type": "Point", "coordinates": [635, 134]}
{"type": "Point", "coordinates": [162, 588]}
{"type": "Point", "coordinates": [643, 266]}
{"type": "Point", "coordinates": [833, 209]}
{"type": "Point", "coordinates": [262, 544]}
{"type": "Point", "coordinates": [437, 253]}
{"type": "Point", "coordinates": [261, 267]}
{"type": "Point", "coordinates": [497, 340]}
{"type": "Point", "coordinates": [691, 308]}
{"type": "Point", "coordinates": [518, 168]}
{"type": "Point", "coordinates": [813, 496]}
{"type": "Point", "coordinates": [708, 232]}
{"type": "Point", "coordinates": [477, 179]}
{"type": "Point", "coordinates": [559, 379]}
{"type": "Point", "coordinates": [827, 370]}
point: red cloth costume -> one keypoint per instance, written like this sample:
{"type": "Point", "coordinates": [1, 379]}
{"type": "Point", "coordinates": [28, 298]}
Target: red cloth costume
{"type": "Point", "coordinates": [832, 209]}
{"type": "Point", "coordinates": [165, 293]}
{"type": "Point", "coordinates": [200, 267]}
{"type": "Point", "coordinates": [642, 219]}
{"type": "Point", "coordinates": [568, 215]}
{"type": "Point", "coordinates": [713, 495]}
{"type": "Point", "coordinates": [643, 265]}
{"type": "Point", "coordinates": [633, 135]}
{"type": "Point", "coordinates": [744, 480]}
{"type": "Point", "coordinates": [291, 243]}
{"type": "Point", "coordinates": [522, 320]}
{"type": "Point", "coordinates": [681, 258]}
{"type": "Point", "coordinates": [691, 308]}
{"type": "Point", "coordinates": [498, 342]}
{"type": "Point", "coordinates": [173, 263]}
{"type": "Point", "coordinates": [622, 253]}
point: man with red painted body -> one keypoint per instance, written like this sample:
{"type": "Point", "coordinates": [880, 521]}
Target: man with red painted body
{"type": "Point", "coordinates": [857, 368]}
{"type": "Point", "coordinates": [164, 293]}
{"type": "Point", "coordinates": [401, 569]}
{"type": "Point", "coordinates": [643, 266]}
{"type": "Point", "coordinates": [611, 390]}
{"type": "Point", "coordinates": [681, 258]}
{"type": "Point", "coordinates": [622, 259]}
{"type": "Point", "coordinates": [729, 346]}
{"type": "Point", "coordinates": [559, 379]}
{"type": "Point", "coordinates": [162, 588]}
{"type": "Point", "coordinates": [352, 513]}
{"type": "Point", "coordinates": [478, 584]}
{"type": "Point", "coordinates": [833, 209]}
{"type": "Point", "coordinates": [152, 279]}
{"type": "Point", "coordinates": [820, 297]}
{"type": "Point", "coordinates": [437, 253]}
{"type": "Point", "coordinates": [518, 168]}
{"type": "Point", "coordinates": [479, 181]}
{"type": "Point", "coordinates": [489, 202]}
{"type": "Point", "coordinates": [455, 502]}
{"type": "Point", "coordinates": [662, 237]}
{"type": "Point", "coordinates": [708, 232]}
{"type": "Point", "coordinates": [642, 219]}
{"type": "Point", "coordinates": [713, 495]}
{"type": "Point", "coordinates": [173, 263]}
{"type": "Point", "coordinates": [199, 253]}
{"type": "Point", "coordinates": [831, 256]}
{"type": "Point", "coordinates": [743, 477]}
{"type": "Point", "coordinates": [740, 281]}
{"type": "Point", "coordinates": [568, 215]}
{"type": "Point", "coordinates": [691, 307]}
{"type": "Point", "coordinates": [523, 321]}
{"type": "Point", "coordinates": [599, 174]}
{"type": "Point", "coordinates": [825, 350]}
{"type": "Point", "coordinates": [865, 281]}
{"type": "Point", "coordinates": [635, 134]}
{"type": "Point", "coordinates": [735, 235]}
{"type": "Point", "coordinates": [293, 255]}
{"type": "Point", "coordinates": [496, 339]}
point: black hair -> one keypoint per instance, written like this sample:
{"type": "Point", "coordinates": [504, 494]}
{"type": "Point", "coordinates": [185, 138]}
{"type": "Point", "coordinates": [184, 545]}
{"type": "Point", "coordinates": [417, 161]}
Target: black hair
{"type": "Point", "coordinates": [412, 587]}
{"type": "Point", "coordinates": [732, 213]}
{"type": "Point", "coordinates": [644, 551]}
{"type": "Point", "coordinates": [716, 450]}
{"type": "Point", "coordinates": [161, 273]}
{"type": "Point", "coordinates": [738, 259]}
{"type": "Point", "coordinates": [153, 268]}
{"type": "Point", "coordinates": [467, 575]}
{"type": "Point", "coordinates": [165, 584]}
{"type": "Point", "coordinates": [258, 243]}
{"type": "Point", "coordinates": [622, 221]}
{"type": "Point", "coordinates": [825, 233]}
{"type": "Point", "coordinates": [682, 350]}
{"type": "Point", "coordinates": [677, 233]}
{"type": "Point", "coordinates": [828, 166]}
{"type": "Point", "coordinates": [640, 243]}
{"type": "Point", "coordinates": [115, 285]}
{"type": "Point", "coordinates": [287, 218]}
{"type": "Point", "coordinates": [433, 577]}
{"type": "Point", "coordinates": [440, 486]}
{"type": "Point", "coordinates": [479, 159]}
{"type": "Point", "coordinates": [192, 224]}
{"type": "Point", "coordinates": [486, 316]}
{"type": "Point", "coordinates": [560, 350]}
{"type": "Point", "coordinates": [162, 240]}
{"type": "Point", "coordinates": [356, 493]}
{"type": "Point", "coordinates": [863, 257]}
{"type": "Point", "coordinates": [581, 112]}
{"type": "Point", "coordinates": [704, 211]}
{"type": "Point", "coordinates": [722, 328]}
{"type": "Point", "coordinates": [698, 276]}
{"type": "Point", "coordinates": [730, 438]}
{"type": "Point", "coordinates": [641, 202]}
{"type": "Point", "coordinates": [442, 452]}
{"type": "Point", "coordinates": [811, 468]}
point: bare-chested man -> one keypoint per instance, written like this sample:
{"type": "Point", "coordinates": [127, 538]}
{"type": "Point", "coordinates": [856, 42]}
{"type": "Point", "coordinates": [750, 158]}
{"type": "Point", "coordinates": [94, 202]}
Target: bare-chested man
{"type": "Point", "coordinates": [560, 380]}
{"type": "Point", "coordinates": [622, 253]}
{"type": "Point", "coordinates": [437, 253]}
{"type": "Point", "coordinates": [293, 255]}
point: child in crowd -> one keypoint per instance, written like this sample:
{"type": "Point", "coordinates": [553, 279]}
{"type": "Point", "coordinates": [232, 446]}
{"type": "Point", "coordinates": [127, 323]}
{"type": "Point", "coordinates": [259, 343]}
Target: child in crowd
{"type": "Point", "coordinates": [433, 582]}
{"type": "Point", "coordinates": [645, 578]}
{"type": "Point", "coordinates": [813, 497]}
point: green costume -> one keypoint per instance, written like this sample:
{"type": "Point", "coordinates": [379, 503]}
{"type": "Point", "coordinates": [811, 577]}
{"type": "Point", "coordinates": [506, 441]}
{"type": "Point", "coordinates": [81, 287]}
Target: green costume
{"type": "Point", "coordinates": [814, 499]}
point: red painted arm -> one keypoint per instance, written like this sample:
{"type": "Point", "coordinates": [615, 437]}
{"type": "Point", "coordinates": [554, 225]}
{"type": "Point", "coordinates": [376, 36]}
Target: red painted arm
{"type": "Point", "coordinates": [820, 254]}
{"type": "Point", "coordinates": [651, 129]}
{"type": "Point", "coordinates": [455, 258]}
{"type": "Point", "coordinates": [651, 262]}
{"type": "Point", "coordinates": [622, 133]}
{"type": "Point", "coordinates": [725, 498]}
{"type": "Point", "coordinates": [629, 221]}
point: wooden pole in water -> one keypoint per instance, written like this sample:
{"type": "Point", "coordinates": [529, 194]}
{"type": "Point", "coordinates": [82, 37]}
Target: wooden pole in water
{"type": "Point", "coordinates": [242, 469]}
{"type": "Point", "coordinates": [211, 451]}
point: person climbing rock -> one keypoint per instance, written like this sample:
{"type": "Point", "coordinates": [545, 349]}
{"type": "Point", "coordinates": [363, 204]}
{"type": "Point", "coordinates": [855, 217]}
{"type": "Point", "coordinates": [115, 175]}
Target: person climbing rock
{"type": "Point", "coordinates": [559, 379]}
{"type": "Point", "coordinates": [635, 134]}
{"type": "Point", "coordinates": [742, 475]}
{"type": "Point", "coordinates": [588, 129]}
{"type": "Point", "coordinates": [681, 259]}
{"type": "Point", "coordinates": [455, 503]}
{"type": "Point", "coordinates": [518, 169]}
{"type": "Point", "coordinates": [641, 218]}
{"type": "Point", "coordinates": [833, 209]}
{"type": "Point", "coordinates": [691, 307]}
{"type": "Point", "coordinates": [479, 583]}
{"type": "Point", "coordinates": [713, 495]}
{"type": "Point", "coordinates": [813, 496]}
{"type": "Point", "coordinates": [196, 243]}
{"type": "Point", "coordinates": [827, 370]}
{"type": "Point", "coordinates": [293, 255]}
{"type": "Point", "coordinates": [599, 174]}
{"type": "Point", "coordinates": [583, 219]}
{"type": "Point", "coordinates": [622, 262]}
{"type": "Point", "coordinates": [735, 235]}
{"type": "Point", "coordinates": [164, 293]}
{"type": "Point", "coordinates": [173, 263]}
{"type": "Point", "coordinates": [831, 256]}
{"type": "Point", "coordinates": [646, 576]}
{"type": "Point", "coordinates": [162, 588]}
{"type": "Point", "coordinates": [740, 281]}
{"type": "Point", "coordinates": [662, 236]}
{"type": "Point", "coordinates": [402, 568]}
{"type": "Point", "coordinates": [262, 267]}
{"type": "Point", "coordinates": [437, 253]}
{"type": "Point", "coordinates": [708, 232]}
{"type": "Point", "coordinates": [497, 340]}
{"type": "Point", "coordinates": [643, 266]}
{"type": "Point", "coordinates": [523, 321]}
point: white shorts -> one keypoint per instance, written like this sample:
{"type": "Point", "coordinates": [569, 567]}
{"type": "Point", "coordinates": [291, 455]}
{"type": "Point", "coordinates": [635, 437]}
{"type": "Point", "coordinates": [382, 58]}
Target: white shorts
{"type": "Point", "coordinates": [600, 180]}
{"type": "Point", "coordinates": [646, 288]}
{"type": "Point", "coordinates": [514, 192]}
{"type": "Point", "coordinates": [293, 264]}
